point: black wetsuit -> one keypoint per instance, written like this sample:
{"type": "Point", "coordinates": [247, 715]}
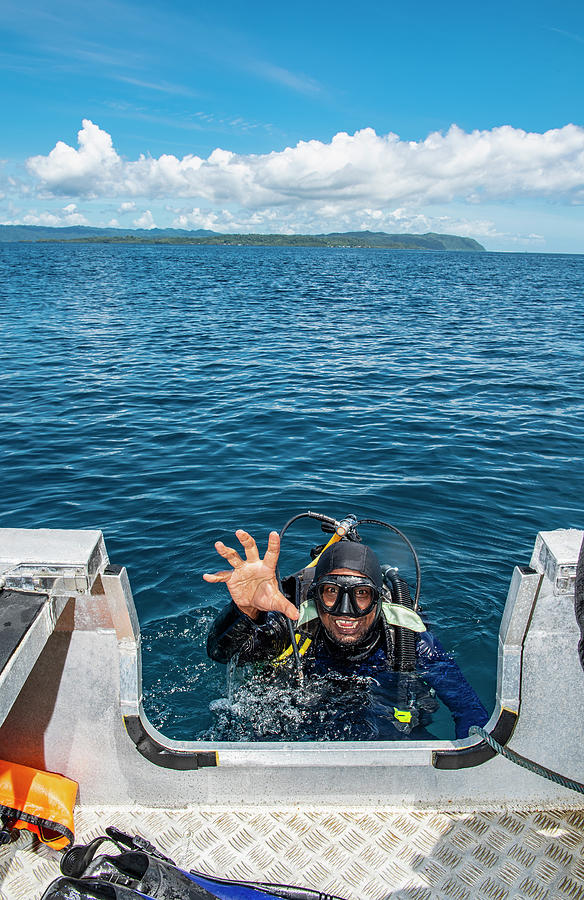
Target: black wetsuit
{"type": "Point", "coordinates": [267, 637]}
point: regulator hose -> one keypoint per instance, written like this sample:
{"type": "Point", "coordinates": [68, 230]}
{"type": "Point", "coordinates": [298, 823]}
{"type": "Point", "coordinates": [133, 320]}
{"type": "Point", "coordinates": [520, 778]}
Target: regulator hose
{"type": "Point", "coordinates": [410, 547]}
{"type": "Point", "coordinates": [308, 515]}
{"type": "Point", "coordinates": [405, 639]}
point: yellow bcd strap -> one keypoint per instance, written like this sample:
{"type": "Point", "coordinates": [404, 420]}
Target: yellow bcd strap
{"type": "Point", "coordinates": [402, 715]}
{"type": "Point", "coordinates": [289, 650]}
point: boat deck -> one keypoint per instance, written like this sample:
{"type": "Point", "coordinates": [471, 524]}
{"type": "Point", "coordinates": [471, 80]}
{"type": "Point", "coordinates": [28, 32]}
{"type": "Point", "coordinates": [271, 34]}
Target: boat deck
{"type": "Point", "coordinates": [414, 821]}
{"type": "Point", "coordinates": [358, 854]}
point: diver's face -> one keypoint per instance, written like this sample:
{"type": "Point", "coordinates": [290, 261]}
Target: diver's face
{"type": "Point", "coordinates": [347, 629]}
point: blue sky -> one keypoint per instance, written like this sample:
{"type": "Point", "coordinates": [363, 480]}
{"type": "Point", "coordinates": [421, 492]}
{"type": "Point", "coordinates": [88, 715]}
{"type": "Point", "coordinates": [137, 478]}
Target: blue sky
{"type": "Point", "coordinates": [302, 117]}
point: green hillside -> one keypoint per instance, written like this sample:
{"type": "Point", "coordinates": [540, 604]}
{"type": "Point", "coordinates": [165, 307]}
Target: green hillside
{"type": "Point", "coordinates": [379, 239]}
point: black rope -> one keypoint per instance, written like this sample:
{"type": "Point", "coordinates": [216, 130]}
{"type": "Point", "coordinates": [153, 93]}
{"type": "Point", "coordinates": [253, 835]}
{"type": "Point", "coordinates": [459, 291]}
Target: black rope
{"type": "Point", "coordinates": [534, 767]}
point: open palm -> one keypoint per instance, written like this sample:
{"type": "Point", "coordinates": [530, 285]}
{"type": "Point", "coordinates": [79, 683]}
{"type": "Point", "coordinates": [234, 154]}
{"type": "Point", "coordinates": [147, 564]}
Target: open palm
{"type": "Point", "coordinates": [252, 581]}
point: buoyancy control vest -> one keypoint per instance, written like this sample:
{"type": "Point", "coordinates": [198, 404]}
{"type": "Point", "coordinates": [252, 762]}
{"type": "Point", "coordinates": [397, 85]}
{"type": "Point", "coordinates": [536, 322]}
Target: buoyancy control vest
{"type": "Point", "coordinates": [398, 622]}
{"type": "Point", "coordinates": [140, 870]}
{"type": "Point", "coordinates": [394, 633]}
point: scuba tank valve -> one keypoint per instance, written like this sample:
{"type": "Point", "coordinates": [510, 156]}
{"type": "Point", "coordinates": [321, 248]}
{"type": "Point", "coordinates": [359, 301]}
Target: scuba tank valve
{"type": "Point", "coordinates": [346, 526]}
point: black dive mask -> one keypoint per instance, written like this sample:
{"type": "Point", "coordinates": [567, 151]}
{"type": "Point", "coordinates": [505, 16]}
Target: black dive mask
{"type": "Point", "coordinates": [346, 595]}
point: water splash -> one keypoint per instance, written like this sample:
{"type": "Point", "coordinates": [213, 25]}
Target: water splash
{"type": "Point", "coordinates": [271, 705]}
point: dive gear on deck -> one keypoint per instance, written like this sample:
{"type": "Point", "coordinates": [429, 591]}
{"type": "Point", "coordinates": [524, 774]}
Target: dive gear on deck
{"type": "Point", "coordinates": [82, 889]}
{"type": "Point", "coordinates": [139, 872]}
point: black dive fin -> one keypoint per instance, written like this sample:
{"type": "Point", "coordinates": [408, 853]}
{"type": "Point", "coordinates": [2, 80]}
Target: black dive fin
{"type": "Point", "coordinates": [144, 872]}
{"type": "Point", "coordinates": [85, 889]}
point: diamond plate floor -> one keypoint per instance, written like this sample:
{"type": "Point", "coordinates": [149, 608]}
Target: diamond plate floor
{"type": "Point", "coordinates": [358, 854]}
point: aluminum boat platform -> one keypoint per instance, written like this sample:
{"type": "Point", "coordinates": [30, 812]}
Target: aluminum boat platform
{"type": "Point", "coordinates": [365, 821]}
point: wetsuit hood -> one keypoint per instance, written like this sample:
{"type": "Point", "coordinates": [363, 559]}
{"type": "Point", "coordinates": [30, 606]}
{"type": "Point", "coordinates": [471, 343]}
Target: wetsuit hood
{"type": "Point", "coordinates": [349, 555]}
{"type": "Point", "coordinates": [359, 558]}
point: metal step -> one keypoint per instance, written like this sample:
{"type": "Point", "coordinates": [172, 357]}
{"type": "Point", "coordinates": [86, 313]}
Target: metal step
{"type": "Point", "coordinates": [358, 854]}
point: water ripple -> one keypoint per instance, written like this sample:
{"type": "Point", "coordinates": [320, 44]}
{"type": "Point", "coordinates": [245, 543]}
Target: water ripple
{"type": "Point", "coordinates": [168, 395]}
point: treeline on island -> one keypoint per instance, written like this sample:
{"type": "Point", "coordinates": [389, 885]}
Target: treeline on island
{"type": "Point", "coordinates": [378, 239]}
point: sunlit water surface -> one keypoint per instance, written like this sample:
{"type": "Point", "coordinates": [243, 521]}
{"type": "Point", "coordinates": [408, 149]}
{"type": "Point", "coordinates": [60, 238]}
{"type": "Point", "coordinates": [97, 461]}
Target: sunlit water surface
{"type": "Point", "coordinates": [167, 395]}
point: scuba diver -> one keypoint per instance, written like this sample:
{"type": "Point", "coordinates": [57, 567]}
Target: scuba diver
{"type": "Point", "coordinates": [351, 616]}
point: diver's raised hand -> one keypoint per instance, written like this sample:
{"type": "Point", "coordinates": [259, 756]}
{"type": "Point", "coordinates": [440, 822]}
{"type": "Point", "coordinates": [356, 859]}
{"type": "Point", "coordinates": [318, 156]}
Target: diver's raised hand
{"type": "Point", "coordinates": [252, 581]}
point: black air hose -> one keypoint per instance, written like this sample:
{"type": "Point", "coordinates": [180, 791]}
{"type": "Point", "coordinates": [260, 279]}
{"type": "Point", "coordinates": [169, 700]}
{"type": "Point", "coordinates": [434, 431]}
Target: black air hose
{"type": "Point", "coordinates": [579, 601]}
{"type": "Point", "coordinates": [405, 639]}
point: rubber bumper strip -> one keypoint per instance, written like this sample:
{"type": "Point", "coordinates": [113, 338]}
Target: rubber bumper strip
{"type": "Point", "coordinates": [162, 756]}
{"type": "Point", "coordinates": [465, 757]}
{"type": "Point", "coordinates": [461, 758]}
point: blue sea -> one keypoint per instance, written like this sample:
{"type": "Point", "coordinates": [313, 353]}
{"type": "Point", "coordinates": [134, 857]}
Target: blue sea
{"type": "Point", "coordinates": [168, 395]}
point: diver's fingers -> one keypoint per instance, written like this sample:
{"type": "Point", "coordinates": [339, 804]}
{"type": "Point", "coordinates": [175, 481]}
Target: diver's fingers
{"type": "Point", "coordinates": [248, 544]}
{"type": "Point", "coordinates": [271, 599]}
{"type": "Point", "coordinates": [273, 551]}
{"type": "Point", "coordinates": [215, 577]}
{"type": "Point", "coordinates": [291, 611]}
{"type": "Point", "coordinates": [280, 604]}
{"type": "Point", "coordinates": [228, 553]}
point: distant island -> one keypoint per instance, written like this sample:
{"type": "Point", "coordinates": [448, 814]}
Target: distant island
{"type": "Point", "coordinates": [376, 239]}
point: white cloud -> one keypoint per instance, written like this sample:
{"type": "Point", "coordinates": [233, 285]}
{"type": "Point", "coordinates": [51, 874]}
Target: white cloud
{"type": "Point", "coordinates": [352, 171]}
{"type": "Point", "coordinates": [146, 220]}
{"type": "Point", "coordinates": [68, 215]}
{"type": "Point", "coordinates": [127, 206]}
{"type": "Point", "coordinates": [71, 172]}
{"type": "Point", "coordinates": [331, 217]}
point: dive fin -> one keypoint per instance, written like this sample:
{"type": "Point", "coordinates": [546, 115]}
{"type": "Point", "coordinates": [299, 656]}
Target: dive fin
{"type": "Point", "coordinates": [83, 889]}
{"type": "Point", "coordinates": [135, 873]}
{"type": "Point", "coordinates": [279, 891]}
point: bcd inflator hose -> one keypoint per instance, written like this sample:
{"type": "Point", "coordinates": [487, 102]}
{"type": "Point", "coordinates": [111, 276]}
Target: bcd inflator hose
{"type": "Point", "coordinates": [528, 764]}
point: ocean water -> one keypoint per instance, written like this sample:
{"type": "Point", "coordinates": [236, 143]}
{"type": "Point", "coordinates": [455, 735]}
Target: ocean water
{"type": "Point", "coordinates": [170, 394]}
